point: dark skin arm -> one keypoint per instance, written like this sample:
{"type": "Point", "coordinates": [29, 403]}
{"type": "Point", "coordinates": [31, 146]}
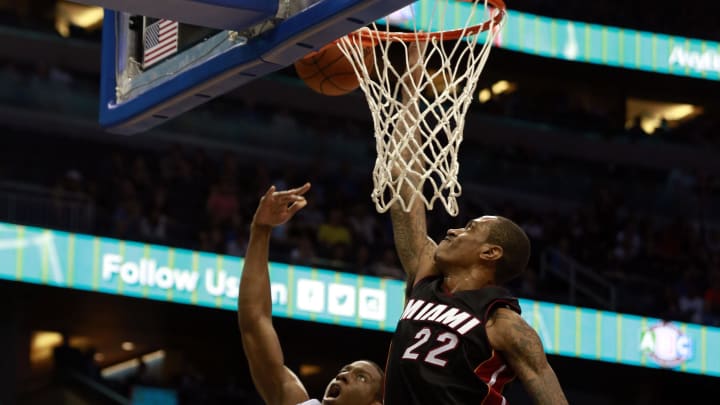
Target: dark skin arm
{"type": "Point", "coordinates": [274, 381]}
{"type": "Point", "coordinates": [521, 347]}
{"type": "Point", "coordinates": [414, 248]}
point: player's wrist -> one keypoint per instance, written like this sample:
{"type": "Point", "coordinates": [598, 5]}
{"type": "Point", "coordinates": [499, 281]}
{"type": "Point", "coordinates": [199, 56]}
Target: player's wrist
{"type": "Point", "coordinates": [258, 227]}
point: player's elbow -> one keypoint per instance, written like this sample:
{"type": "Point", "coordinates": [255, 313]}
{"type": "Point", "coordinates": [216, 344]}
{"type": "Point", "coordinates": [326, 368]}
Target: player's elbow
{"type": "Point", "coordinates": [248, 319]}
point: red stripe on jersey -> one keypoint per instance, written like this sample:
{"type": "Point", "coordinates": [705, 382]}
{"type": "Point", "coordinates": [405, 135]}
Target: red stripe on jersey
{"type": "Point", "coordinates": [494, 373]}
{"type": "Point", "coordinates": [498, 304]}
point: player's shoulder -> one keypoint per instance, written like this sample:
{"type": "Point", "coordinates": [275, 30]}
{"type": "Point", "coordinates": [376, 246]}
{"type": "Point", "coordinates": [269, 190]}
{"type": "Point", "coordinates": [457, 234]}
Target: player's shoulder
{"type": "Point", "coordinates": [506, 329]}
{"type": "Point", "coordinates": [486, 300]}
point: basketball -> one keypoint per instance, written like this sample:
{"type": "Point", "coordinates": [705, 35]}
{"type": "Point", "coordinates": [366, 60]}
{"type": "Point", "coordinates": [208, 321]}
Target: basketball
{"type": "Point", "coordinates": [329, 72]}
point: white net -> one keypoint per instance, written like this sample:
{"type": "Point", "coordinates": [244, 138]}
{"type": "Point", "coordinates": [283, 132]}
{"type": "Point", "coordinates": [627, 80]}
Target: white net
{"type": "Point", "coordinates": [418, 104]}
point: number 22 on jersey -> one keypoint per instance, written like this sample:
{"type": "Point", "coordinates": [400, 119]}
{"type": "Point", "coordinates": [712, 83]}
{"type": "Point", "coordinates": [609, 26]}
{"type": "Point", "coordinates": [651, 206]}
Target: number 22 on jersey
{"type": "Point", "coordinates": [442, 343]}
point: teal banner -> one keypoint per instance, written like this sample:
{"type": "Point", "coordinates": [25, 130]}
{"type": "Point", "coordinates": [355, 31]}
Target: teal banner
{"type": "Point", "coordinates": [578, 41]}
{"type": "Point", "coordinates": [66, 260]}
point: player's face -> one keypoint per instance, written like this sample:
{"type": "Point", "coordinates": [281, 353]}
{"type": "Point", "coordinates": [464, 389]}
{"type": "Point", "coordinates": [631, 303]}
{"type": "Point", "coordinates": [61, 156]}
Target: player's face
{"type": "Point", "coordinates": [461, 246]}
{"type": "Point", "coordinates": [356, 384]}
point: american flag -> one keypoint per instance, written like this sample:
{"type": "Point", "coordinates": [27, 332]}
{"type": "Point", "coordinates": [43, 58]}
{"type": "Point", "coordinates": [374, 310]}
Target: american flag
{"type": "Point", "coordinates": [161, 41]}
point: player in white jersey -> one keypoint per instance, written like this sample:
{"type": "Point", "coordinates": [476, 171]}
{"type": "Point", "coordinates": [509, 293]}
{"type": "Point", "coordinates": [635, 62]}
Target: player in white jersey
{"type": "Point", "coordinates": [358, 383]}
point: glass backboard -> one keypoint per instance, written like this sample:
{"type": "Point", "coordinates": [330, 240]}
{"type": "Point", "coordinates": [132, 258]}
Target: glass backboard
{"type": "Point", "coordinates": [161, 59]}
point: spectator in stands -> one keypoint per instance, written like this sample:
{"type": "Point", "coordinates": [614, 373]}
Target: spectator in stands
{"type": "Point", "coordinates": [154, 227]}
{"type": "Point", "coordinates": [237, 241]}
{"type": "Point", "coordinates": [338, 258]}
{"type": "Point", "coordinates": [140, 176]}
{"type": "Point", "coordinates": [712, 300]}
{"type": "Point", "coordinates": [188, 193]}
{"type": "Point", "coordinates": [628, 243]}
{"type": "Point", "coordinates": [204, 167]}
{"type": "Point", "coordinates": [387, 266]}
{"type": "Point", "coordinates": [363, 224]}
{"type": "Point", "coordinates": [636, 132]}
{"type": "Point", "coordinates": [212, 240]}
{"type": "Point", "coordinates": [284, 122]}
{"type": "Point", "coordinates": [222, 204]}
{"type": "Point", "coordinates": [334, 231]}
{"type": "Point", "coordinates": [361, 263]}
{"type": "Point", "coordinates": [304, 252]}
{"type": "Point", "coordinates": [691, 304]}
{"type": "Point", "coordinates": [128, 214]}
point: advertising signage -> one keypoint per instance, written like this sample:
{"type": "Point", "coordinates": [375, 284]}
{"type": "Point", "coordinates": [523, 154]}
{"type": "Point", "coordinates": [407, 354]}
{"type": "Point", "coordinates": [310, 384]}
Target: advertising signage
{"type": "Point", "coordinates": [89, 263]}
{"type": "Point", "coordinates": [579, 41]}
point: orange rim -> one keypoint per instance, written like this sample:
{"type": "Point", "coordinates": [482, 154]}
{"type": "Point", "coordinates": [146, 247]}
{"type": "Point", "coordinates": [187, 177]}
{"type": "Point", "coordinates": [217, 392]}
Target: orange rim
{"type": "Point", "coordinates": [370, 37]}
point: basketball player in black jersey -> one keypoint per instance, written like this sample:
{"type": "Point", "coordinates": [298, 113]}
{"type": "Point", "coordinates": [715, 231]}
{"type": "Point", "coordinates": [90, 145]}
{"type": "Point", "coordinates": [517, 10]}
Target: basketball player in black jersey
{"type": "Point", "coordinates": [461, 338]}
{"type": "Point", "coordinates": [358, 383]}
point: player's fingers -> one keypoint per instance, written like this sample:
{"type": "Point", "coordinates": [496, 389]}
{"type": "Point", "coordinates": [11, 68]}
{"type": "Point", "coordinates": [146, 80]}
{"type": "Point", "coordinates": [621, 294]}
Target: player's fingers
{"type": "Point", "coordinates": [299, 190]}
{"type": "Point", "coordinates": [269, 192]}
{"type": "Point", "coordinates": [418, 47]}
{"type": "Point", "coordinates": [303, 189]}
{"type": "Point", "coordinates": [297, 205]}
{"type": "Point", "coordinates": [287, 199]}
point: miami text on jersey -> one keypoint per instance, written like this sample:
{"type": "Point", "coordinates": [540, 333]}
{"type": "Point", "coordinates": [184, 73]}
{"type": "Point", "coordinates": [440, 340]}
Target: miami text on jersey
{"type": "Point", "coordinates": [460, 321]}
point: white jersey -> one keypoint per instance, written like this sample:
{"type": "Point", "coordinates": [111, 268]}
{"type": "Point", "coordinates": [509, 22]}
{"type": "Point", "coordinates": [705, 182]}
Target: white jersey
{"type": "Point", "coordinates": [311, 402]}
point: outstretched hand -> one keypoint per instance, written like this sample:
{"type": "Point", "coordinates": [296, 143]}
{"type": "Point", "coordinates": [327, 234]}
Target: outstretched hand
{"type": "Point", "coordinates": [416, 57]}
{"type": "Point", "coordinates": [412, 79]}
{"type": "Point", "coordinates": [277, 207]}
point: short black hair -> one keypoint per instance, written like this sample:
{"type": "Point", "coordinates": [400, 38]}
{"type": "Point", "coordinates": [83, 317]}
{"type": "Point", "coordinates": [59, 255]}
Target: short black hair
{"type": "Point", "coordinates": [516, 249]}
{"type": "Point", "coordinates": [381, 384]}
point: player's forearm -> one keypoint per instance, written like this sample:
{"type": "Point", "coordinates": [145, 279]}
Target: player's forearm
{"type": "Point", "coordinates": [409, 232]}
{"type": "Point", "coordinates": [407, 140]}
{"type": "Point", "coordinates": [254, 300]}
{"type": "Point", "coordinates": [409, 226]}
{"type": "Point", "coordinates": [545, 388]}
{"type": "Point", "coordinates": [406, 172]}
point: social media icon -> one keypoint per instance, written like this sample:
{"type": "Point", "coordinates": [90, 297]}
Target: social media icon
{"type": "Point", "coordinates": [341, 299]}
{"type": "Point", "coordinates": [372, 304]}
{"type": "Point", "coordinates": [310, 295]}
{"type": "Point", "coordinates": [278, 294]}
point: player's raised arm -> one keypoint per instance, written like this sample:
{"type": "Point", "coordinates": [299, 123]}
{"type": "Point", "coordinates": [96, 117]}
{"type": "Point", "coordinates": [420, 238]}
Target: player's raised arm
{"type": "Point", "coordinates": [276, 383]}
{"type": "Point", "coordinates": [415, 249]}
{"type": "Point", "coordinates": [509, 334]}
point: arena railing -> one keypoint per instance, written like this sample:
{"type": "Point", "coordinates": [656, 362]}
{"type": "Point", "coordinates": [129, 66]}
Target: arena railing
{"type": "Point", "coordinates": [28, 204]}
{"type": "Point", "coordinates": [581, 280]}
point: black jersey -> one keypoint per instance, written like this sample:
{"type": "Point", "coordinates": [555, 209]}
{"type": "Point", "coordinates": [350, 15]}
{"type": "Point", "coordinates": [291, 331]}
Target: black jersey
{"type": "Point", "coordinates": [440, 353]}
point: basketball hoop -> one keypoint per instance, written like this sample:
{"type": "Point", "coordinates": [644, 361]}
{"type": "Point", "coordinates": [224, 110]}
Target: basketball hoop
{"type": "Point", "coordinates": [422, 157]}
